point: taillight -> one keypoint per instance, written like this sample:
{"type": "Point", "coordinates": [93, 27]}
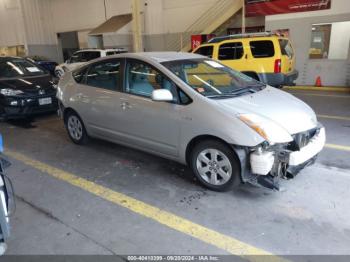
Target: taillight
{"type": "Point", "coordinates": [278, 64]}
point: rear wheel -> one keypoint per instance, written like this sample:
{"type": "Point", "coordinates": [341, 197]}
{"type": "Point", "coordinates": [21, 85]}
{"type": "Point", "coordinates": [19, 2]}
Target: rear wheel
{"type": "Point", "coordinates": [75, 128]}
{"type": "Point", "coordinates": [215, 165]}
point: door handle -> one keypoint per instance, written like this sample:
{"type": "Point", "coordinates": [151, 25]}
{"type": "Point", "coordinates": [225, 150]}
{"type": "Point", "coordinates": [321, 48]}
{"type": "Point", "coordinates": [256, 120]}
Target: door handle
{"type": "Point", "coordinates": [125, 105]}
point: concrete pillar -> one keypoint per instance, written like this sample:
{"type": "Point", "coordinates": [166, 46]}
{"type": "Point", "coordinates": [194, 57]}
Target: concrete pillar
{"type": "Point", "coordinates": [136, 26]}
{"type": "Point", "coordinates": [243, 16]}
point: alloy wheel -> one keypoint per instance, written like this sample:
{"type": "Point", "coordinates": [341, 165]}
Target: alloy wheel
{"type": "Point", "coordinates": [214, 167]}
{"type": "Point", "coordinates": [75, 127]}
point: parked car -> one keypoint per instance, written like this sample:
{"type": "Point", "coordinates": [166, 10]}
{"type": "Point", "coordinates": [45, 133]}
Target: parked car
{"type": "Point", "coordinates": [45, 63]}
{"type": "Point", "coordinates": [266, 57]}
{"type": "Point", "coordinates": [82, 56]}
{"type": "Point", "coordinates": [229, 128]}
{"type": "Point", "coordinates": [25, 89]}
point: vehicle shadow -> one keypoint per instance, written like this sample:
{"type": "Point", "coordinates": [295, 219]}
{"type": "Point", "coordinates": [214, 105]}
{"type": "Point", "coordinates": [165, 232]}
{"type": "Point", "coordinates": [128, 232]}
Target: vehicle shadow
{"type": "Point", "coordinates": [29, 122]}
{"type": "Point", "coordinates": [22, 123]}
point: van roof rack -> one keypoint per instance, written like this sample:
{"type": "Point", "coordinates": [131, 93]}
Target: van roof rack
{"type": "Point", "coordinates": [237, 36]}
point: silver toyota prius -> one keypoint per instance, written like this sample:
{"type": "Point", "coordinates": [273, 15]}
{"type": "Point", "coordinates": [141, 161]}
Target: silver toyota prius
{"type": "Point", "coordinates": [227, 127]}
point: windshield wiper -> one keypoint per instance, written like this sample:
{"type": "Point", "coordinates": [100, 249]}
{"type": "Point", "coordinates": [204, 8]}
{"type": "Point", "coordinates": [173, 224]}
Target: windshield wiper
{"type": "Point", "coordinates": [223, 96]}
{"type": "Point", "coordinates": [240, 91]}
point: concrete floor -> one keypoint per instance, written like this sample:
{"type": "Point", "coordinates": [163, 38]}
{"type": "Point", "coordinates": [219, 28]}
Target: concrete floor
{"type": "Point", "coordinates": [310, 216]}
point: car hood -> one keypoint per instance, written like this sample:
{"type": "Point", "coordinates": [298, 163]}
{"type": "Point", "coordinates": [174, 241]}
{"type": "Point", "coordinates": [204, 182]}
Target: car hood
{"type": "Point", "coordinates": [28, 84]}
{"type": "Point", "coordinates": [275, 105]}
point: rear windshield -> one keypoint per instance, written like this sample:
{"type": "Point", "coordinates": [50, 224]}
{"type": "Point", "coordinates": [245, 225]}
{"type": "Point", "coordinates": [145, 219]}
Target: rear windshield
{"type": "Point", "coordinates": [262, 48]}
{"type": "Point", "coordinates": [19, 68]}
{"type": "Point", "coordinates": [286, 48]}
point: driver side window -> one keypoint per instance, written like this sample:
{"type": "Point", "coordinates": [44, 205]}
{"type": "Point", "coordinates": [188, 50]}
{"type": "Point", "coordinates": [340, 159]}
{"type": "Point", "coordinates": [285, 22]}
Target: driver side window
{"type": "Point", "coordinates": [142, 79]}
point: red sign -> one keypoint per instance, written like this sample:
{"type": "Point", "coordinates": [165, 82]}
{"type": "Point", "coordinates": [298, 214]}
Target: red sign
{"type": "Point", "coordinates": [273, 7]}
{"type": "Point", "coordinates": [197, 40]}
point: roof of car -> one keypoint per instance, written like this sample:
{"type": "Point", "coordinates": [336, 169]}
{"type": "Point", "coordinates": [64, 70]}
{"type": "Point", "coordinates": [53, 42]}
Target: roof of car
{"type": "Point", "coordinates": [162, 56]}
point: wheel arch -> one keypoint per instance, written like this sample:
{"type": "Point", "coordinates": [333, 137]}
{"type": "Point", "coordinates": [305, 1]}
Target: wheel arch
{"type": "Point", "coordinates": [66, 111]}
{"type": "Point", "coordinates": [239, 152]}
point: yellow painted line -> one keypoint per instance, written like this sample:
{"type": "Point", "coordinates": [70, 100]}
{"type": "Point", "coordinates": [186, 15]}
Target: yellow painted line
{"type": "Point", "coordinates": [209, 236]}
{"type": "Point", "coordinates": [324, 95]}
{"type": "Point", "coordinates": [334, 117]}
{"type": "Point", "coordinates": [338, 147]}
{"type": "Point", "coordinates": [313, 88]}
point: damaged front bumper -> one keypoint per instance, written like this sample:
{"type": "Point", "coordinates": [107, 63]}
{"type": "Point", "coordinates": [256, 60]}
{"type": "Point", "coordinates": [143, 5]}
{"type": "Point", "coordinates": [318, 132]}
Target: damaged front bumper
{"type": "Point", "coordinates": [268, 164]}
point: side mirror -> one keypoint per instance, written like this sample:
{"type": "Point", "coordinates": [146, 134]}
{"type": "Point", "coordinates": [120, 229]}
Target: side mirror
{"type": "Point", "coordinates": [162, 95]}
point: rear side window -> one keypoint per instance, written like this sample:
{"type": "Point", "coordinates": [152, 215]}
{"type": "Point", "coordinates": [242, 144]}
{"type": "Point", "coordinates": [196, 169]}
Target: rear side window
{"type": "Point", "coordinates": [231, 51]}
{"type": "Point", "coordinates": [205, 50]}
{"type": "Point", "coordinates": [104, 75]}
{"type": "Point", "coordinates": [262, 48]}
{"type": "Point", "coordinates": [286, 48]}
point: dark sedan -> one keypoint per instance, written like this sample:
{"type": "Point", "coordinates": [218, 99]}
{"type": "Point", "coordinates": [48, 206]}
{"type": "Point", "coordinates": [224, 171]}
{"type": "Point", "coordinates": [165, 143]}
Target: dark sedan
{"type": "Point", "coordinates": [25, 89]}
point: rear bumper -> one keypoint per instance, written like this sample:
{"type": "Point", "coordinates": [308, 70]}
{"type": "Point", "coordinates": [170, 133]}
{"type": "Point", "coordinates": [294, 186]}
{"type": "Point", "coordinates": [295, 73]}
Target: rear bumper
{"type": "Point", "coordinates": [25, 107]}
{"type": "Point", "coordinates": [279, 79]}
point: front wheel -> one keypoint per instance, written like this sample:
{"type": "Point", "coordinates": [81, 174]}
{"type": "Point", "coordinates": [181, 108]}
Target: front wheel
{"type": "Point", "coordinates": [75, 128]}
{"type": "Point", "coordinates": [215, 165]}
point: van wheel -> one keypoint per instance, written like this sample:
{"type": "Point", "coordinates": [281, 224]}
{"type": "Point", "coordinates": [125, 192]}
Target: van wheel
{"type": "Point", "coordinates": [215, 165]}
{"type": "Point", "coordinates": [75, 128]}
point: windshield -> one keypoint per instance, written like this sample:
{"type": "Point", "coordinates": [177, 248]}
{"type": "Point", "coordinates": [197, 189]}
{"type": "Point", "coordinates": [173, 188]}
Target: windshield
{"type": "Point", "coordinates": [212, 79]}
{"type": "Point", "coordinates": [19, 68]}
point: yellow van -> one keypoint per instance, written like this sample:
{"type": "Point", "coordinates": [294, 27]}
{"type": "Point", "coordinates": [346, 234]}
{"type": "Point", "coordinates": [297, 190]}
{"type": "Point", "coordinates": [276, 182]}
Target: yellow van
{"type": "Point", "coordinates": [266, 57]}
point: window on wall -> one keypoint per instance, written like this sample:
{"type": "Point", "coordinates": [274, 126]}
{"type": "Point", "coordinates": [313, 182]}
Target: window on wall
{"type": "Point", "coordinates": [330, 41]}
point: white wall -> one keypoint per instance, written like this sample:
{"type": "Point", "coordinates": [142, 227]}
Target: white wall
{"type": "Point", "coordinates": [11, 26]}
{"type": "Point", "coordinates": [180, 14]}
{"type": "Point", "coordinates": [38, 26]}
{"type": "Point", "coordinates": [76, 15]}
{"type": "Point", "coordinates": [340, 41]}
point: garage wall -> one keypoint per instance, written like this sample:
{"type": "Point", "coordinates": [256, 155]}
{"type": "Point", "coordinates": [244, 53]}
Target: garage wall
{"type": "Point", "coordinates": [11, 29]}
{"type": "Point", "coordinates": [39, 29]}
{"type": "Point", "coordinates": [333, 72]}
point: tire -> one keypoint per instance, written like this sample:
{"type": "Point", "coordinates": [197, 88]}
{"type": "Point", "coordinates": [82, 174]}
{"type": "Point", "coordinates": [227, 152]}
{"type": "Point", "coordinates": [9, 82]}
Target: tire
{"type": "Point", "coordinates": [220, 173]}
{"type": "Point", "coordinates": [75, 128]}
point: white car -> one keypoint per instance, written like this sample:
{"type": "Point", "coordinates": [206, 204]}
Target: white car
{"type": "Point", "coordinates": [82, 56]}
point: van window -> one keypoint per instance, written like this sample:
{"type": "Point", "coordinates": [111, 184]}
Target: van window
{"type": "Point", "coordinates": [231, 51]}
{"type": "Point", "coordinates": [286, 48]}
{"type": "Point", "coordinates": [262, 48]}
{"type": "Point", "coordinates": [205, 50]}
